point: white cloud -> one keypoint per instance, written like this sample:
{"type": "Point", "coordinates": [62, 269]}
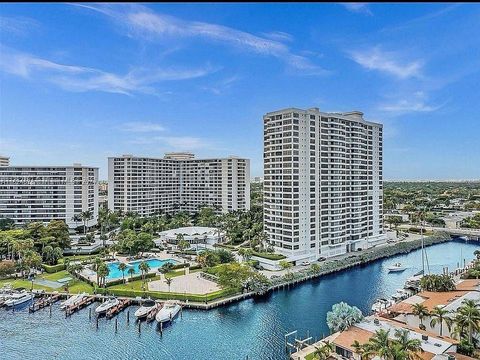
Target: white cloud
{"type": "Point", "coordinates": [141, 127]}
{"type": "Point", "coordinates": [357, 7]}
{"type": "Point", "coordinates": [177, 143]}
{"type": "Point", "coordinates": [387, 62]}
{"type": "Point", "coordinates": [278, 36]}
{"type": "Point", "coordinates": [17, 25]}
{"type": "Point", "coordinates": [416, 103]}
{"type": "Point", "coordinates": [81, 79]}
{"type": "Point", "coordinates": [143, 22]}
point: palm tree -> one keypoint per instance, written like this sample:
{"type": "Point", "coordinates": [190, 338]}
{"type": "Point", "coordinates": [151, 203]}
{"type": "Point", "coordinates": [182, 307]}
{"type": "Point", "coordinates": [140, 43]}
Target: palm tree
{"type": "Point", "coordinates": [406, 347]}
{"type": "Point", "coordinates": [360, 349]}
{"type": "Point", "coordinates": [439, 315]}
{"type": "Point", "coordinates": [468, 317]}
{"type": "Point", "coordinates": [131, 271]}
{"type": "Point", "coordinates": [323, 352]}
{"type": "Point", "coordinates": [380, 345]}
{"type": "Point", "coordinates": [86, 215]}
{"type": "Point", "coordinates": [421, 311]}
{"type": "Point", "coordinates": [144, 268]}
{"type": "Point", "coordinates": [285, 265]}
{"type": "Point", "coordinates": [122, 267]}
{"type": "Point", "coordinates": [342, 316]}
{"type": "Point", "coordinates": [103, 272]}
{"type": "Point", "coordinates": [169, 282]}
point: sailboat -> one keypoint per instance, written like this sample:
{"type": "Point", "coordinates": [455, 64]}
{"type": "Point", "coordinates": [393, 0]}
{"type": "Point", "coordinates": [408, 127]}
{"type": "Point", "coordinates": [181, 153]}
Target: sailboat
{"type": "Point", "coordinates": [413, 282]}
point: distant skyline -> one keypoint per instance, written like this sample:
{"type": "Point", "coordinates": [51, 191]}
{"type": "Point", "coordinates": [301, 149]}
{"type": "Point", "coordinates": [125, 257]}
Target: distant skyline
{"type": "Point", "coordinates": [81, 82]}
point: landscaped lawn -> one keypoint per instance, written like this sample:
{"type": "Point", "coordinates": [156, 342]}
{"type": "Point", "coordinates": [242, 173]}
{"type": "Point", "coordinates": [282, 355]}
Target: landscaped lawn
{"type": "Point", "coordinates": [75, 286]}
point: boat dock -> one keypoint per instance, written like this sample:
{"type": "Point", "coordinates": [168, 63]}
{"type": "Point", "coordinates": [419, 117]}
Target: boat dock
{"type": "Point", "coordinates": [80, 305]}
{"type": "Point", "coordinates": [123, 303]}
{"type": "Point", "coordinates": [151, 315]}
{"type": "Point", "coordinates": [44, 302]}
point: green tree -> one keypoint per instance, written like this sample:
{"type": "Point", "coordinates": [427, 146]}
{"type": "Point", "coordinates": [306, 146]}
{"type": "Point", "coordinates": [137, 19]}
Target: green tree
{"type": "Point", "coordinates": [131, 272]}
{"type": "Point", "coordinates": [144, 268]}
{"type": "Point", "coordinates": [122, 267]}
{"type": "Point", "coordinates": [468, 319]}
{"type": "Point", "coordinates": [182, 245]}
{"type": "Point", "coordinates": [102, 273]}
{"type": "Point", "coordinates": [421, 311]}
{"type": "Point", "coordinates": [323, 352]}
{"type": "Point", "coordinates": [169, 282]}
{"type": "Point", "coordinates": [439, 316]}
{"type": "Point", "coordinates": [86, 216]}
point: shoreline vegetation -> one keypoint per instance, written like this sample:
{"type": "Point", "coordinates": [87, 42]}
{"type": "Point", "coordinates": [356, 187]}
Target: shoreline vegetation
{"type": "Point", "coordinates": [225, 296]}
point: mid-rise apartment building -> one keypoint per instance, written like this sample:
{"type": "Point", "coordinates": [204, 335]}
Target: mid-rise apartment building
{"type": "Point", "coordinates": [177, 182]}
{"type": "Point", "coordinates": [44, 193]}
{"type": "Point", "coordinates": [323, 189]}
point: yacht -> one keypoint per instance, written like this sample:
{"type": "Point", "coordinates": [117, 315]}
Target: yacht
{"type": "Point", "coordinates": [168, 312]}
{"type": "Point", "coordinates": [145, 309]}
{"type": "Point", "coordinates": [72, 300]}
{"type": "Point", "coordinates": [401, 294]}
{"type": "Point", "coordinates": [107, 305]}
{"type": "Point", "coordinates": [397, 267]}
{"type": "Point", "coordinates": [18, 298]}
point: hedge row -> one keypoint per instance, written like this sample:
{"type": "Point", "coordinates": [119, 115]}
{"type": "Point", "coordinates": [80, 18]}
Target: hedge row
{"type": "Point", "coordinates": [269, 256]}
{"type": "Point", "coordinates": [50, 269]}
{"type": "Point", "coordinates": [130, 279]}
{"type": "Point", "coordinates": [166, 295]}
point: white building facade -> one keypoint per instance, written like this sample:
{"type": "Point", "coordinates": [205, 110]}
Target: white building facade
{"type": "Point", "coordinates": [177, 182]}
{"type": "Point", "coordinates": [44, 193]}
{"type": "Point", "coordinates": [323, 188]}
{"type": "Point", "coordinates": [4, 160]}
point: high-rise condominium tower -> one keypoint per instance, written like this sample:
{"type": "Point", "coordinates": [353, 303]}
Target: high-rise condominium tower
{"type": "Point", "coordinates": [323, 187]}
{"type": "Point", "coordinates": [177, 182]}
{"type": "Point", "coordinates": [44, 193]}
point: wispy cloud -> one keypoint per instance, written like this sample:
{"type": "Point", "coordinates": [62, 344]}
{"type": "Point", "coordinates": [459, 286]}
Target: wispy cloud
{"type": "Point", "coordinates": [415, 103]}
{"type": "Point", "coordinates": [278, 36]}
{"type": "Point", "coordinates": [358, 7]}
{"type": "Point", "coordinates": [221, 86]}
{"type": "Point", "coordinates": [142, 22]}
{"type": "Point", "coordinates": [387, 62]}
{"type": "Point", "coordinates": [139, 127]}
{"type": "Point", "coordinates": [80, 79]}
{"type": "Point", "coordinates": [173, 142]}
{"type": "Point", "coordinates": [19, 25]}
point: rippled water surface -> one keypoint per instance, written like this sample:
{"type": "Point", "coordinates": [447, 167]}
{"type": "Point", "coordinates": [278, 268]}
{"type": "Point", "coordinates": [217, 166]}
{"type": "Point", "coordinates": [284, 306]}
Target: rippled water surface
{"type": "Point", "coordinates": [253, 328]}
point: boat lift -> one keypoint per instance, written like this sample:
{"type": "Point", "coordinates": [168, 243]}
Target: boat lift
{"type": "Point", "coordinates": [296, 344]}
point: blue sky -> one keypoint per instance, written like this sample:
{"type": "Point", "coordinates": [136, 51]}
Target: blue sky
{"type": "Point", "coordinates": [80, 83]}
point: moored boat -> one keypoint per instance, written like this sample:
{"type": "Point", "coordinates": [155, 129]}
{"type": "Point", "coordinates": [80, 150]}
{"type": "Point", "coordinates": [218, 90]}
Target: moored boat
{"type": "Point", "coordinates": [145, 309]}
{"type": "Point", "coordinates": [74, 299]}
{"type": "Point", "coordinates": [381, 304]}
{"type": "Point", "coordinates": [168, 312]}
{"type": "Point", "coordinates": [107, 305]}
{"type": "Point", "coordinates": [397, 267]}
{"type": "Point", "coordinates": [18, 298]}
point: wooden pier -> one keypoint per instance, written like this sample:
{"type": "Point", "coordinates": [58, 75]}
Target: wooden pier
{"type": "Point", "coordinates": [44, 302]}
{"type": "Point", "coordinates": [80, 305]}
{"type": "Point", "coordinates": [151, 315]}
{"type": "Point", "coordinates": [123, 303]}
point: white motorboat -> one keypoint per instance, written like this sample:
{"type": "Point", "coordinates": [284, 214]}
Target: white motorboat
{"type": "Point", "coordinates": [401, 294]}
{"type": "Point", "coordinates": [72, 300]}
{"type": "Point", "coordinates": [168, 312]}
{"type": "Point", "coordinates": [381, 304]}
{"type": "Point", "coordinates": [18, 298]}
{"type": "Point", "coordinates": [397, 267]}
{"type": "Point", "coordinates": [107, 305]}
{"type": "Point", "coordinates": [145, 309]}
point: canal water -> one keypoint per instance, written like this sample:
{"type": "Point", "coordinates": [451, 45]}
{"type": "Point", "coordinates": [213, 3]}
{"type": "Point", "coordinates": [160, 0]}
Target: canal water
{"type": "Point", "coordinates": [253, 328]}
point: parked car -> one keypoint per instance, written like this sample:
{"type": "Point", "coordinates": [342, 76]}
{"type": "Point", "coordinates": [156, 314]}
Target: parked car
{"type": "Point", "coordinates": [322, 258]}
{"type": "Point", "coordinates": [305, 263]}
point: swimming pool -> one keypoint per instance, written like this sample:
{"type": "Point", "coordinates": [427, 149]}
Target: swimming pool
{"type": "Point", "coordinates": [115, 273]}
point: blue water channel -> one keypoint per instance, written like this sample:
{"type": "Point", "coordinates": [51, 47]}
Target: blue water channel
{"type": "Point", "coordinates": [253, 328]}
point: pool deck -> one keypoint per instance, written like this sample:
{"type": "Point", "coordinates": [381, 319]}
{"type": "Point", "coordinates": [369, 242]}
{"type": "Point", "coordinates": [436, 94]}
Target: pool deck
{"type": "Point", "coordinates": [190, 283]}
